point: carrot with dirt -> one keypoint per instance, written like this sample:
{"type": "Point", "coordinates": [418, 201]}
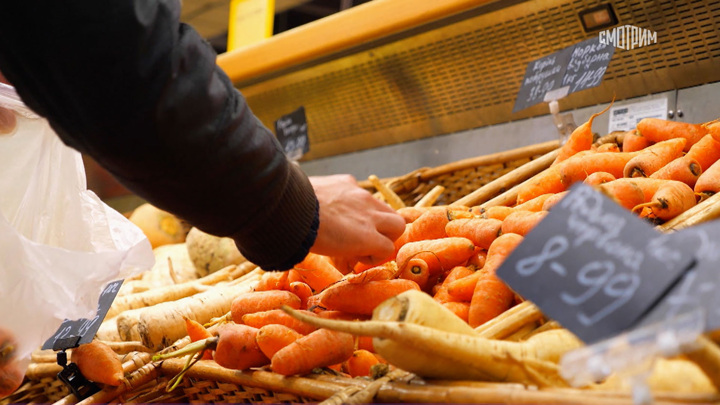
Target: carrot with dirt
{"type": "Point", "coordinates": [98, 363]}
{"type": "Point", "coordinates": [659, 130]}
{"type": "Point", "coordinates": [670, 200]}
{"type": "Point", "coordinates": [276, 316]}
{"type": "Point", "coordinates": [492, 296]}
{"type": "Point", "coordinates": [363, 298]}
{"type": "Point", "coordinates": [598, 178]}
{"type": "Point", "coordinates": [439, 254]}
{"type": "Point", "coordinates": [709, 182]}
{"type": "Point", "coordinates": [706, 151]}
{"type": "Point", "coordinates": [685, 169]}
{"type": "Point", "coordinates": [317, 271]}
{"type": "Point", "coordinates": [196, 331]}
{"type": "Point", "coordinates": [259, 301]}
{"type": "Point", "coordinates": [522, 222]}
{"type": "Point", "coordinates": [271, 338]}
{"type": "Point", "coordinates": [320, 348]}
{"type": "Point", "coordinates": [653, 158]}
{"type": "Point", "coordinates": [580, 139]}
{"type": "Point", "coordinates": [624, 192]}
{"type": "Point", "coordinates": [633, 141]}
{"type": "Point", "coordinates": [480, 231]}
{"type": "Point", "coordinates": [360, 363]}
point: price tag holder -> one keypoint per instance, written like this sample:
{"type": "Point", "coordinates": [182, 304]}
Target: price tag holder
{"type": "Point", "coordinates": [577, 67]}
{"type": "Point", "coordinates": [73, 333]}
{"type": "Point", "coordinates": [292, 132]}
{"type": "Point", "coordinates": [698, 288]}
{"type": "Point", "coordinates": [594, 266]}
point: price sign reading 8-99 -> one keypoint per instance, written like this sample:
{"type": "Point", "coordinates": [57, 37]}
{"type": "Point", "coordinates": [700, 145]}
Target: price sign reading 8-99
{"type": "Point", "coordinates": [593, 266]}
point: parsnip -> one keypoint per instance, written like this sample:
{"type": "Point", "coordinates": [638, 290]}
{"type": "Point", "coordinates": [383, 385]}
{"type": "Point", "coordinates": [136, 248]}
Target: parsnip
{"type": "Point", "coordinates": [210, 253]}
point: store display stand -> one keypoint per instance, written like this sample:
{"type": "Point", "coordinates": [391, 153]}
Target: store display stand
{"type": "Point", "coordinates": [632, 355]}
{"type": "Point", "coordinates": [70, 375]}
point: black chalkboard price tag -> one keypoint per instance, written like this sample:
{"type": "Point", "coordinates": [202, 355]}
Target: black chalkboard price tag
{"type": "Point", "coordinates": [541, 76]}
{"type": "Point", "coordinates": [588, 62]}
{"type": "Point", "coordinates": [292, 132]}
{"type": "Point", "coordinates": [594, 266]}
{"type": "Point", "coordinates": [72, 333]}
{"type": "Point", "coordinates": [699, 286]}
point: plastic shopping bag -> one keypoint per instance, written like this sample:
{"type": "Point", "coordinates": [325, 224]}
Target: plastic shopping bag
{"type": "Point", "coordinates": [59, 243]}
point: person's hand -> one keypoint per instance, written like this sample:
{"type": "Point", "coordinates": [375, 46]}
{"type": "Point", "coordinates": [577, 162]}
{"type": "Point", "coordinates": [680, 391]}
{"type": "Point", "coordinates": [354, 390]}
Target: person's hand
{"type": "Point", "coordinates": [354, 224]}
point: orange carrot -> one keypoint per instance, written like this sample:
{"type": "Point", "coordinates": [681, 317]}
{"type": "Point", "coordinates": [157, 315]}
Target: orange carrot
{"type": "Point", "coordinates": [260, 319]}
{"type": "Point", "coordinates": [492, 296]}
{"type": "Point", "coordinates": [478, 259]}
{"type": "Point", "coordinates": [360, 363]}
{"type": "Point", "coordinates": [713, 128]}
{"type": "Point", "coordinates": [410, 214]}
{"type": "Point", "coordinates": [237, 347]}
{"type": "Point", "coordinates": [577, 168]}
{"type": "Point", "coordinates": [658, 130]}
{"type": "Point", "coordinates": [99, 363]}
{"type": "Point", "coordinates": [362, 298]}
{"type": "Point", "coordinates": [317, 271]}
{"type": "Point", "coordinates": [273, 280]}
{"type": "Point", "coordinates": [345, 316]}
{"type": "Point", "coordinates": [382, 272]}
{"type": "Point", "coordinates": [654, 157]}
{"type": "Point", "coordinates": [430, 225]}
{"type": "Point", "coordinates": [608, 147]}
{"type": "Point", "coordinates": [522, 222]}
{"type": "Point", "coordinates": [497, 212]}
{"type": "Point", "coordinates": [461, 309]}
{"type": "Point", "coordinates": [581, 139]}
{"type": "Point", "coordinates": [685, 169]}
{"type": "Point", "coordinates": [706, 151]}
{"type": "Point", "coordinates": [597, 178]}
{"type": "Point", "coordinates": [11, 378]}
{"type": "Point", "coordinates": [293, 276]}
{"type": "Point", "coordinates": [670, 200]}
{"type": "Point", "coordinates": [624, 192]}
{"type": "Point", "coordinates": [442, 295]}
{"type": "Point", "coordinates": [439, 254]}
{"type": "Point", "coordinates": [647, 185]}
{"type": "Point", "coordinates": [479, 231]}
{"type": "Point", "coordinates": [196, 331]}
{"type": "Point", "coordinates": [534, 204]}
{"type": "Point", "coordinates": [8, 347]}
{"type": "Point", "coordinates": [462, 288]}
{"type": "Point", "coordinates": [633, 141]}
{"type": "Point", "coordinates": [320, 348]}
{"type": "Point", "coordinates": [271, 338]}
{"type": "Point", "coordinates": [258, 301]}
{"type": "Point", "coordinates": [553, 200]}
{"type": "Point", "coordinates": [302, 290]}
{"type": "Point", "coordinates": [365, 343]}
{"type": "Point", "coordinates": [548, 181]}
{"type": "Point", "coordinates": [418, 271]}
{"type": "Point", "coordinates": [709, 181]}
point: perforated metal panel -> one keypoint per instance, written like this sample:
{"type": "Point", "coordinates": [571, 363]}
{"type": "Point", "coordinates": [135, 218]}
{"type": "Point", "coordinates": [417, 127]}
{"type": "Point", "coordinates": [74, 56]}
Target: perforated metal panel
{"type": "Point", "coordinates": [466, 74]}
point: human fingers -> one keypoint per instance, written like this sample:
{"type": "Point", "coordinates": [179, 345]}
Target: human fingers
{"type": "Point", "coordinates": [391, 225]}
{"type": "Point", "coordinates": [376, 249]}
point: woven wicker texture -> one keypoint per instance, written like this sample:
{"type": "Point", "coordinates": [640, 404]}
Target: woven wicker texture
{"type": "Point", "coordinates": [44, 390]}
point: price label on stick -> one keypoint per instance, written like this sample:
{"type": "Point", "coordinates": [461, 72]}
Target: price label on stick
{"type": "Point", "coordinates": [292, 132]}
{"type": "Point", "coordinates": [594, 266]}
{"type": "Point", "coordinates": [76, 332]}
{"type": "Point", "coordinates": [698, 288]}
{"type": "Point", "coordinates": [588, 62]}
{"type": "Point", "coordinates": [542, 76]}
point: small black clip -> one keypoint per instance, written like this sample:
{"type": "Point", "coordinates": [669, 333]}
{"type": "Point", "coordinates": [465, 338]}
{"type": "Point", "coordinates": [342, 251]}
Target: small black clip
{"type": "Point", "coordinates": [80, 386]}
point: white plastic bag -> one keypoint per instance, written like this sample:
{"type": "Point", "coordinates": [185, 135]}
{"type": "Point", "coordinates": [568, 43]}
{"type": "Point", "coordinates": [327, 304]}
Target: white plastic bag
{"type": "Point", "coordinates": [59, 243]}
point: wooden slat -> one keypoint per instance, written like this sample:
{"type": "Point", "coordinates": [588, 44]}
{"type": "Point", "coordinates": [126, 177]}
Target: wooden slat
{"type": "Point", "coordinates": [340, 31]}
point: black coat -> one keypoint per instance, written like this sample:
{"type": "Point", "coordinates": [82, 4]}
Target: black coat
{"type": "Point", "coordinates": [124, 82]}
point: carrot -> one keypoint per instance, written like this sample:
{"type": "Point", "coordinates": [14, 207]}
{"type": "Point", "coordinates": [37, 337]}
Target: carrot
{"type": "Point", "coordinates": [362, 298]}
{"type": "Point", "coordinates": [302, 290]}
{"type": "Point", "coordinates": [581, 139]}
{"type": "Point", "coordinates": [481, 232]}
{"type": "Point", "coordinates": [706, 151]}
{"type": "Point", "coordinates": [685, 169]}
{"type": "Point", "coordinates": [478, 260]}
{"type": "Point", "coordinates": [320, 348]}
{"type": "Point", "coordinates": [709, 181]}
{"type": "Point", "coordinates": [654, 157]}
{"type": "Point", "coordinates": [237, 347]}
{"type": "Point", "coordinates": [624, 192]}
{"type": "Point", "coordinates": [659, 130]}
{"type": "Point", "coordinates": [633, 141]}
{"type": "Point", "coordinates": [196, 332]}
{"type": "Point", "coordinates": [456, 273]}
{"type": "Point", "coordinates": [461, 309]}
{"type": "Point", "coordinates": [670, 200]}
{"type": "Point", "coordinates": [317, 271]}
{"type": "Point", "coordinates": [462, 288]}
{"type": "Point", "coordinates": [293, 276]}
{"type": "Point", "coordinates": [608, 147]}
{"type": "Point", "coordinates": [497, 212]}
{"type": "Point", "coordinates": [331, 314]}
{"type": "Point", "coordinates": [713, 128]}
{"type": "Point", "coordinates": [522, 222]}
{"type": "Point", "coordinates": [276, 316]}
{"type": "Point", "coordinates": [647, 185]}
{"type": "Point", "coordinates": [492, 296]}
{"type": "Point", "coordinates": [439, 254]}
{"type": "Point", "coordinates": [410, 214]}
{"type": "Point", "coordinates": [359, 364]}
{"type": "Point", "coordinates": [430, 225]}
{"type": "Point", "coordinates": [11, 378]}
{"type": "Point", "coordinates": [534, 204]}
{"type": "Point", "coordinates": [597, 178]}
{"type": "Point", "coordinates": [271, 338]}
{"type": "Point", "coordinates": [553, 200]}
{"type": "Point", "coordinates": [97, 362]}
{"type": "Point", "coordinates": [258, 301]}
{"type": "Point", "coordinates": [8, 347]}
{"type": "Point", "coordinates": [577, 168]}
{"type": "Point", "coordinates": [418, 271]}
{"type": "Point", "coordinates": [273, 280]}
{"type": "Point", "coordinates": [548, 181]}
{"type": "Point", "coordinates": [365, 343]}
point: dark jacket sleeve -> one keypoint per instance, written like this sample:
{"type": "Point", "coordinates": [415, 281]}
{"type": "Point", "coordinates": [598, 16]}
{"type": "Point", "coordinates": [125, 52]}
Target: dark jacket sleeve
{"type": "Point", "coordinates": [124, 82]}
